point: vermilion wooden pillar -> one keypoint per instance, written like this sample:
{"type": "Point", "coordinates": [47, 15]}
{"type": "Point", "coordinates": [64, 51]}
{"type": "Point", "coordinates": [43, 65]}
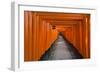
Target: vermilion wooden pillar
{"type": "Point", "coordinates": [41, 30]}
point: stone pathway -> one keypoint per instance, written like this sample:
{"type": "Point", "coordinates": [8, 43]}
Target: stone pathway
{"type": "Point", "coordinates": [61, 50]}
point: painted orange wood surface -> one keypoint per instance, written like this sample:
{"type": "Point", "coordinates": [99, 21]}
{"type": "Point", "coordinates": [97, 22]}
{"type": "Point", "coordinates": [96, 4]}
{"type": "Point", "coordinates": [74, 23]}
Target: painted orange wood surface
{"type": "Point", "coordinates": [41, 30]}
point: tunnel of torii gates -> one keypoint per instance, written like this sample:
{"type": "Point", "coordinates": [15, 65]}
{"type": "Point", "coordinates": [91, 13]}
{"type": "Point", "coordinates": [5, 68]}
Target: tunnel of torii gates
{"type": "Point", "coordinates": [41, 29]}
